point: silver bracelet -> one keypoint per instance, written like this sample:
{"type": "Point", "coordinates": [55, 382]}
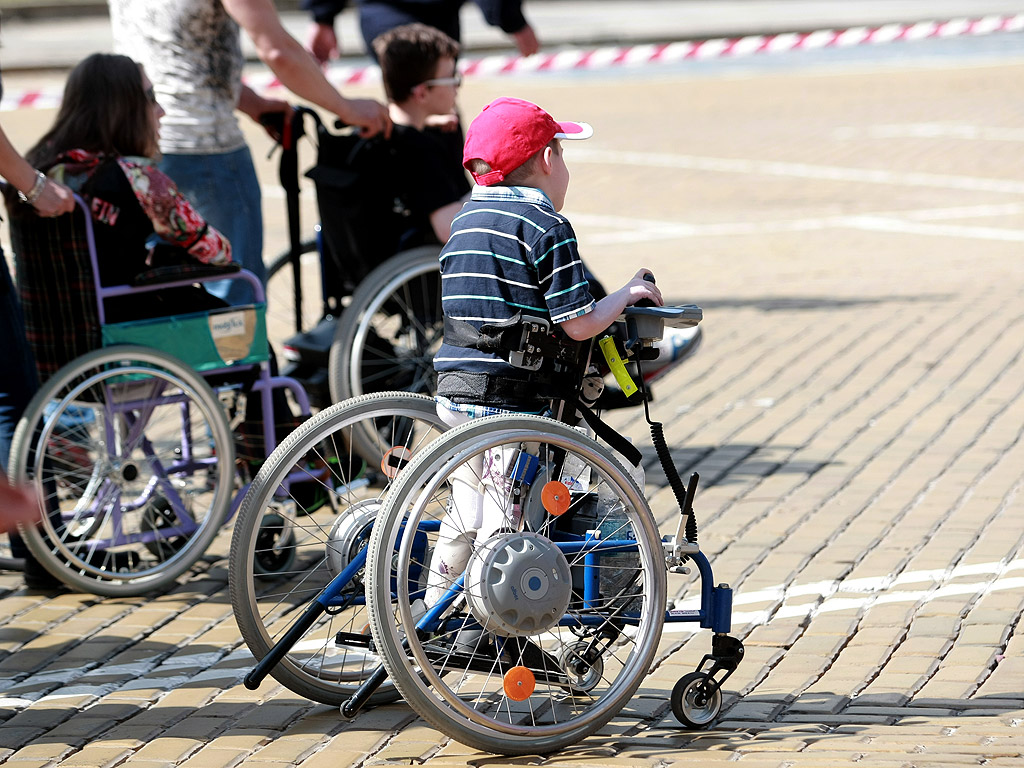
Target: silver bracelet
{"type": "Point", "coordinates": [36, 191]}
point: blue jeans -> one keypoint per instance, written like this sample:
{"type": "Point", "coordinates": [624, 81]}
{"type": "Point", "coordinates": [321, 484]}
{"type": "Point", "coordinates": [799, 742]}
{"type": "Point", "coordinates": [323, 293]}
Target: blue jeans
{"type": "Point", "coordinates": [225, 191]}
{"type": "Point", "coordinates": [18, 381]}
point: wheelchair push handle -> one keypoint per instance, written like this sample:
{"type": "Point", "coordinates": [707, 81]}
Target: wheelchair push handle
{"type": "Point", "coordinates": [287, 127]}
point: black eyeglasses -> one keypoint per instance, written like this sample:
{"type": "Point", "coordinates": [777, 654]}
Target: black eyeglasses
{"type": "Point", "coordinates": [455, 80]}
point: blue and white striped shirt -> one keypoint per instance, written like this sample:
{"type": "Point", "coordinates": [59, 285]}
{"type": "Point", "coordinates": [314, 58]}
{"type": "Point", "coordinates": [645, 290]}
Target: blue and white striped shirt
{"type": "Point", "coordinates": [509, 252]}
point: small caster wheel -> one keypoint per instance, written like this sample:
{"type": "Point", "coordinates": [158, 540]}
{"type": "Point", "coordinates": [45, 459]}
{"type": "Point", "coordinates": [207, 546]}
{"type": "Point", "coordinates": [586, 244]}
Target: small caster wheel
{"type": "Point", "coordinates": [690, 703]}
{"type": "Point", "coordinates": [275, 547]}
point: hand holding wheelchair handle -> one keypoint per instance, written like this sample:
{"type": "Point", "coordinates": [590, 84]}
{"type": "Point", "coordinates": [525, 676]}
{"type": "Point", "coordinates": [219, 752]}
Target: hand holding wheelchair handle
{"type": "Point", "coordinates": [639, 329]}
{"type": "Point", "coordinates": [648, 277]}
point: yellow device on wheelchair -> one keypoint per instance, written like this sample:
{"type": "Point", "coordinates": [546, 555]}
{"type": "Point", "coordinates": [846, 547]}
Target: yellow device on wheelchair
{"type": "Point", "coordinates": [617, 367]}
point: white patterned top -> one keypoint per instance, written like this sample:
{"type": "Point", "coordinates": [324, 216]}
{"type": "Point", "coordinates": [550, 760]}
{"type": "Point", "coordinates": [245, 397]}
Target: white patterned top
{"type": "Point", "coordinates": [192, 54]}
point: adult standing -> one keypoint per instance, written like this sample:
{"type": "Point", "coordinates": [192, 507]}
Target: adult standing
{"type": "Point", "coordinates": [378, 16]}
{"type": "Point", "coordinates": [191, 50]}
{"type": "Point", "coordinates": [18, 382]}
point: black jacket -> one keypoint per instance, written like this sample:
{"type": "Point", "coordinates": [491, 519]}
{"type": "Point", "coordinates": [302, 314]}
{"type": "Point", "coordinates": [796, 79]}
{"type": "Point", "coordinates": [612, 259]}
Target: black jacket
{"type": "Point", "coordinates": [505, 14]}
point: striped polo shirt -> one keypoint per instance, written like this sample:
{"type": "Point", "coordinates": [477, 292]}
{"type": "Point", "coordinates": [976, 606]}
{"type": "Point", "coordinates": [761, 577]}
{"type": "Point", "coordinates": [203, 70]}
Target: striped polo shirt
{"type": "Point", "coordinates": [509, 252]}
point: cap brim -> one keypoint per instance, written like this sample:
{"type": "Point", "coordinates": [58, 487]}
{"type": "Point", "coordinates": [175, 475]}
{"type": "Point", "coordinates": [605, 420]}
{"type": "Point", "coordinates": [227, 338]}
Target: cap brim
{"type": "Point", "coordinates": [574, 131]}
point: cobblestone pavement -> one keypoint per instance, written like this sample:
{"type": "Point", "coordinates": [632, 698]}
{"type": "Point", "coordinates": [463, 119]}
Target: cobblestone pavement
{"type": "Point", "coordinates": [856, 415]}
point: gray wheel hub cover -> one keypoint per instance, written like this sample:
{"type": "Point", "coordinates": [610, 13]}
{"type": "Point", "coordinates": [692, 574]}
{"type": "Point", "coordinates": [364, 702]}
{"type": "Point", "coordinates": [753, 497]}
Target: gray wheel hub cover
{"type": "Point", "coordinates": [351, 527]}
{"type": "Point", "coordinates": [518, 584]}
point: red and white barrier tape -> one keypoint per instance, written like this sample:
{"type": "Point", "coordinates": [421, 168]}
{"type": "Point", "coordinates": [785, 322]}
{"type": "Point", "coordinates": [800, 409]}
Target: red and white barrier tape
{"type": "Point", "coordinates": [639, 55]}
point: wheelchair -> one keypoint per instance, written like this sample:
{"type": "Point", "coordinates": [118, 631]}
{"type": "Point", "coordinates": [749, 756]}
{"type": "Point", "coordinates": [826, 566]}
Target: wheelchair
{"type": "Point", "coordinates": [129, 445]}
{"type": "Point", "coordinates": [550, 626]}
{"type": "Point", "coordinates": [297, 566]}
{"type": "Point", "coordinates": [380, 317]}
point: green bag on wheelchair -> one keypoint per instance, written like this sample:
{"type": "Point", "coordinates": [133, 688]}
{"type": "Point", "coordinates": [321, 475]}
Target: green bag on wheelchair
{"type": "Point", "coordinates": [205, 341]}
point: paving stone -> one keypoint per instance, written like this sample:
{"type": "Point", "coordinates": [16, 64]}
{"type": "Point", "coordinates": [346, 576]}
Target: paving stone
{"type": "Point", "coordinates": [15, 738]}
{"type": "Point", "coordinates": [208, 757]}
{"type": "Point", "coordinates": [172, 750]}
{"type": "Point", "coordinates": [97, 756]}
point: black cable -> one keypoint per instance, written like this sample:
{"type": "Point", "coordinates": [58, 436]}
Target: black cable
{"type": "Point", "coordinates": [683, 494]}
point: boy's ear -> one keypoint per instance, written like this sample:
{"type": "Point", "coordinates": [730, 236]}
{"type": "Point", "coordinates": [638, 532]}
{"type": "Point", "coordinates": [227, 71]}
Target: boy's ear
{"type": "Point", "coordinates": [545, 161]}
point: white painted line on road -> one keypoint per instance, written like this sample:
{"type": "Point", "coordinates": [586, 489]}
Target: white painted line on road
{"type": "Point", "coordinates": [882, 224]}
{"type": "Point", "coordinates": [798, 170]}
{"type": "Point", "coordinates": [930, 131]}
{"type": "Point", "coordinates": [958, 212]}
{"type": "Point", "coordinates": [876, 590]}
{"type": "Point", "coordinates": [632, 230]}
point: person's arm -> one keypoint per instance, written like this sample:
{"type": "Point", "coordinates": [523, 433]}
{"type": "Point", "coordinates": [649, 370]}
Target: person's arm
{"type": "Point", "coordinates": [610, 307]}
{"type": "Point", "coordinates": [173, 217]}
{"type": "Point", "coordinates": [53, 200]}
{"type": "Point", "coordinates": [322, 41]}
{"type": "Point", "coordinates": [297, 70]}
{"type": "Point", "coordinates": [508, 16]}
{"type": "Point", "coordinates": [441, 219]}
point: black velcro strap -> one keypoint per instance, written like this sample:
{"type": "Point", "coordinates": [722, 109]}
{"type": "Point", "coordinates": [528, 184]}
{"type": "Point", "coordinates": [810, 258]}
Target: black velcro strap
{"type": "Point", "coordinates": [459, 333]}
{"type": "Point", "coordinates": [618, 443]}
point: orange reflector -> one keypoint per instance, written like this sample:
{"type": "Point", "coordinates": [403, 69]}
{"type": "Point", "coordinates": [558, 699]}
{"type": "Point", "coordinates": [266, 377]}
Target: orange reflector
{"type": "Point", "coordinates": [395, 460]}
{"type": "Point", "coordinates": [519, 683]}
{"type": "Point", "coordinates": [555, 498]}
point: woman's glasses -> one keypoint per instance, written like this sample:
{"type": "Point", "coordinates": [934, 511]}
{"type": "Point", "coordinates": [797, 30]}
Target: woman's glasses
{"type": "Point", "coordinates": [151, 95]}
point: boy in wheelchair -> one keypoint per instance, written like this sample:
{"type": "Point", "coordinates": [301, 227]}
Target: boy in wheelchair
{"type": "Point", "coordinates": [510, 255]}
{"type": "Point", "coordinates": [380, 196]}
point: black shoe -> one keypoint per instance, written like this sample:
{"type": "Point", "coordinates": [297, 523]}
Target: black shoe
{"type": "Point", "coordinates": [38, 578]}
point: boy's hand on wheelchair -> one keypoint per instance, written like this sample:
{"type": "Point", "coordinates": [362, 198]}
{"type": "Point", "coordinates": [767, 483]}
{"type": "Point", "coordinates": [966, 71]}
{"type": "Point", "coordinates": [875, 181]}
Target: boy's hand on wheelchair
{"type": "Point", "coordinates": [642, 289]}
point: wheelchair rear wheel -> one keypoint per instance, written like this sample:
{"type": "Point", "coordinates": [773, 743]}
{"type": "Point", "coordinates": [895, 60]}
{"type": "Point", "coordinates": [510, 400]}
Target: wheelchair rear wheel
{"type": "Point", "coordinates": [387, 336]}
{"type": "Point", "coordinates": [516, 585]}
{"type": "Point", "coordinates": [132, 459]}
{"type": "Point", "coordinates": [305, 519]}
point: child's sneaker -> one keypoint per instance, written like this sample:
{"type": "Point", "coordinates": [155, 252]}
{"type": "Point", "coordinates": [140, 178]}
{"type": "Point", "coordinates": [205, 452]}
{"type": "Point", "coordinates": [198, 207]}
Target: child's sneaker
{"type": "Point", "coordinates": [675, 346]}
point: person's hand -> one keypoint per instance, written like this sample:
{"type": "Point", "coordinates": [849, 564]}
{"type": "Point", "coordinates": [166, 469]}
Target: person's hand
{"type": "Point", "coordinates": [446, 123]}
{"type": "Point", "coordinates": [641, 287]}
{"type": "Point", "coordinates": [56, 199]}
{"type": "Point", "coordinates": [526, 41]}
{"type": "Point", "coordinates": [322, 42]}
{"type": "Point", "coordinates": [17, 505]}
{"type": "Point", "coordinates": [272, 116]}
{"type": "Point", "coordinates": [370, 116]}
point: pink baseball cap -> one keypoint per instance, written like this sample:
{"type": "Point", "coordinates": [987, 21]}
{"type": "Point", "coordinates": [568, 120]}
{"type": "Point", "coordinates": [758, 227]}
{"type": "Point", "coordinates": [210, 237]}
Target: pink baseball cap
{"type": "Point", "coordinates": [508, 132]}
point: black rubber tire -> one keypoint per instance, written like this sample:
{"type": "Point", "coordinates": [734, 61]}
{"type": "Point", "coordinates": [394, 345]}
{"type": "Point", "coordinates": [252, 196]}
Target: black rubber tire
{"type": "Point", "coordinates": [688, 704]}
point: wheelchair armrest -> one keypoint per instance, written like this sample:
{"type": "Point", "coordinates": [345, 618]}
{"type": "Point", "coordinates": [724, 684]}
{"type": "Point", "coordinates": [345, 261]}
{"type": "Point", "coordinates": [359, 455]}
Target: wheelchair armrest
{"type": "Point", "coordinates": [178, 272]}
{"type": "Point", "coordinates": [683, 316]}
{"type": "Point", "coordinates": [645, 325]}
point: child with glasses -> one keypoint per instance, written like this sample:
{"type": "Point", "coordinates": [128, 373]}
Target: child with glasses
{"type": "Point", "coordinates": [418, 68]}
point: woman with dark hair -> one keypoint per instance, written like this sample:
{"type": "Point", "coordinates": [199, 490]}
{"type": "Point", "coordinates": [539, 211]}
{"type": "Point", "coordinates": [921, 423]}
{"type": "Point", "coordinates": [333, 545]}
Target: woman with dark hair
{"type": "Point", "coordinates": [103, 145]}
